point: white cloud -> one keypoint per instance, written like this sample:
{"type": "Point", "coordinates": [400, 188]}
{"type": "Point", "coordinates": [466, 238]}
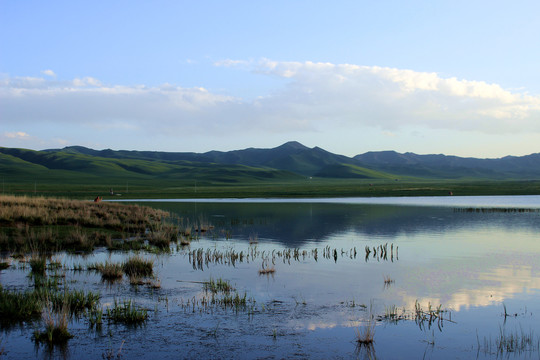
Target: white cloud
{"type": "Point", "coordinates": [87, 101]}
{"type": "Point", "coordinates": [87, 81]}
{"type": "Point", "coordinates": [316, 97]}
{"type": "Point", "coordinates": [390, 98]}
{"type": "Point", "coordinates": [232, 63]}
{"type": "Point", "coordinates": [17, 135]}
{"type": "Point", "coordinates": [49, 73]}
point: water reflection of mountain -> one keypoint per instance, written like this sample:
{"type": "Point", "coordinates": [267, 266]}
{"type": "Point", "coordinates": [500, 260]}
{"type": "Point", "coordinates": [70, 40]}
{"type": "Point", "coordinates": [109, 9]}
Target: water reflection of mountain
{"type": "Point", "coordinates": [294, 224]}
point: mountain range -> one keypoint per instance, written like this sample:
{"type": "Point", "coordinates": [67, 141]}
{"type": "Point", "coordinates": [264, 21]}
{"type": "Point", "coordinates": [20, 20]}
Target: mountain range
{"type": "Point", "coordinates": [288, 161]}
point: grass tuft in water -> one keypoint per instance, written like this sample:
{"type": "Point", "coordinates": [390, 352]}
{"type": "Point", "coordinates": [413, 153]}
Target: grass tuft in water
{"type": "Point", "coordinates": [56, 322]}
{"type": "Point", "coordinates": [366, 334]}
{"type": "Point", "coordinates": [110, 271]}
{"type": "Point", "coordinates": [137, 266]}
{"type": "Point", "coordinates": [38, 264]}
{"type": "Point", "coordinates": [16, 307]}
{"type": "Point", "coordinates": [267, 271]}
{"type": "Point", "coordinates": [515, 342]}
{"type": "Point", "coordinates": [217, 286]}
{"type": "Point", "coordinates": [127, 313]}
{"type": "Point", "coordinates": [95, 316]}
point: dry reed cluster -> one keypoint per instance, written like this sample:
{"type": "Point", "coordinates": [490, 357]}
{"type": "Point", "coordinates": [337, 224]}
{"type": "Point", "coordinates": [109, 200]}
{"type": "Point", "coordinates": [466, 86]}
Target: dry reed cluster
{"type": "Point", "coordinates": [48, 224]}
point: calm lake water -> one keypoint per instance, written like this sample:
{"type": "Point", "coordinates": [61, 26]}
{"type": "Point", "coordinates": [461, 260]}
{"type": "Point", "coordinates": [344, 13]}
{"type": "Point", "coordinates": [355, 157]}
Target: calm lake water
{"type": "Point", "coordinates": [472, 256]}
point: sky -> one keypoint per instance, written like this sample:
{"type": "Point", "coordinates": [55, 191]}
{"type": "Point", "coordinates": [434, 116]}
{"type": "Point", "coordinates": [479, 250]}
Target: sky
{"type": "Point", "coordinates": [430, 77]}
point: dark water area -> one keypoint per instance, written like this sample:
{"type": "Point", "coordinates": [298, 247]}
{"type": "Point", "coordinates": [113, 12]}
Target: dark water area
{"type": "Point", "coordinates": [437, 283]}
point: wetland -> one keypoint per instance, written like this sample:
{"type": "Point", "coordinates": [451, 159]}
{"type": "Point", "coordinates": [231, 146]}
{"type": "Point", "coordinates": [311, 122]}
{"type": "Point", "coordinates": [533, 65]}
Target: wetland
{"type": "Point", "coordinates": [435, 278]}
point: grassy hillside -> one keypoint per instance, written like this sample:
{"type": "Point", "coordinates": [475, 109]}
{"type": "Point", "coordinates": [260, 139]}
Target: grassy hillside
{"type": "Point", "coordinates": [291, 170]}
{"type": "Point", "coordinates": [347, 171]}
{"type": "Point", "coordinates": [21, 164]}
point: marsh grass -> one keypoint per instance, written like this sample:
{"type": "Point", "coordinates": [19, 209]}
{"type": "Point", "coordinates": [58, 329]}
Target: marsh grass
{"type": "Point", "coordinates": [163, 236]}
{"type": "Point", "coordinates": [54, 264]}
{"type": "Point", "coordinates": [516, 342]}
{"type": "Point", "coordinates": [201, 258]}
{"type": "Point", "coordinates": [17, 307]}
{"type": "Point", "coordinates": [76, 302]}
{"type": "Point", "coordinates": [267, 270]}
{"type": "Point", "coordinates": [110, 271]}
{"type": "Point", "coordinates": [38, 264]}
{"type": "Point", "coordinates": [4, 265]}
{"type": "Point", "coordinates": [41, 281]}
{"type": "Point", "coordinates": [184, 241]}
{"type": "Point", "coordinates": [388, 281]}
{"type": "Point", "coordinates": [126, 313]}
{"type": "Point", "coordinates": [95, 316]}
{"type": "Point", "coordinates": [253, 239]}
{"type": "Point", "coordinates": [513, 342]}
{"type": "Point", "coordinates": [219, 293]}
{"type": "Point", "coordinates": [111, 354]}
{"type": "Point", "coordinates": [56, 324]}
{"type": "Point", "coordinates": [393, 314]}
{"type": "Point", "coordinates": [382, 252]}
{"type": "Point", "coordinates": [134, 267]}
{"type": "Point", "coordinates": [138, 266]}
{"type": "Point", "coordinates": [234, 300]}
{"type": "Point", "coordinates": [366, 334]}
{"type": "Point", "coordinates": [217, 286]}
{"type": "Point", "coordinates": [37, 223]}
{"type": "Point", "coordinates": [424, 317]}
{"type": "Point", "coordinates": [136, 280]}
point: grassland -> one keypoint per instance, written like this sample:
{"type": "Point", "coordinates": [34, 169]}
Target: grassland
{"type": "Point", "coordinates": [129, 188]}
{"type": "Point", "coordinates": [286, 171]}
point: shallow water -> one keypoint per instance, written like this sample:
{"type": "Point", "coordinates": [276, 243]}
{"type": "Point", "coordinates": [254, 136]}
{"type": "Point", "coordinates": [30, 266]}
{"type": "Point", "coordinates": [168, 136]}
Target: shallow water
{"type": "Point", "coordinates": [469, 263]}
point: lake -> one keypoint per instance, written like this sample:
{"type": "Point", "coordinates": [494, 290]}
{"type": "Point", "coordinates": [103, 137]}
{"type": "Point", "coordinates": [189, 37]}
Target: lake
{"type": "Point", "coordinates": [434, 278]}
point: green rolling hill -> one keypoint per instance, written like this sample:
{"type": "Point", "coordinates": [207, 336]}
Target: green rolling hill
{"type": "Point", "coordinates": [288, 162]}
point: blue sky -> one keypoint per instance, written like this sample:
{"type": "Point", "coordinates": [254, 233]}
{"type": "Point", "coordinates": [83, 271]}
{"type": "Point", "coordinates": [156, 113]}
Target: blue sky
{"type": "Point", "coordinates": [452, 77]}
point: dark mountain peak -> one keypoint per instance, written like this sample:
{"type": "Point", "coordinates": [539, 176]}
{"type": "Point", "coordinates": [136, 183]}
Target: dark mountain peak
{"type": "Point", "coordinates": [293, 145]}
{"type": "Point", "coordinates": [76, 149]}
{"type": "Point", "coordinates": [70, 149]}
{"type": "Point", "coordinates": [387, 156]}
